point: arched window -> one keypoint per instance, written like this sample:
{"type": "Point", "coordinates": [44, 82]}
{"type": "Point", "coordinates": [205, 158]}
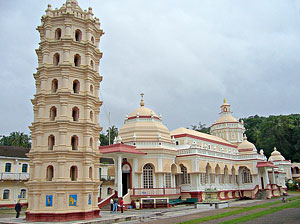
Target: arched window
{"type": "Point", "coordinates": [76, 86]}
{"type": "Point", "coordinates": [56, 59]}
{"type": "Point", "coordinates": [58, 34]}
{"type": "Point", "coordinates": [74, 142]}
{"type": "Point", "coordinates": [75, 113]}
{"type": "Point", "coordinates": [23, 193]}
{"type": "Point", "coordinates": [73, 173]}
{"type": "Point", "coordinates": [77, 60]}
{"type": "Point", "coordinates": [92, 39]}
{"type": "Point", "coordinates": [78, 35]}
{"type": "Point", "coordinates": [6, 194]}
{"type": "Point", "coordinates": [50, 173]}
{"type": "Point", "coordinates": [91, 142]}
{"type": "Point", "coordinates": [246, 176]}
{"type": "Point", "coordinates": [168, 180]}
{"type": "Point", "coordinates": [207, 174]}
{"type": "Point", "coordinates": [91, 173]}
{"type": "Point", "coordinates": [92, 64]}
{"type": "Point", "coordinates": [148, 175]}
{"type": "Point", "coordinates": [24, 168]}
{"type": "Point", "coordinates": [54, 86]}
{"type": "Point", "coordinates": [91, 115]}
{"type": "Point", "coordinates": [233, 176]}
{"type": "Point", "coordinates": [91, 89]}
{"type": "Point", "coordinates": [226, 176]}
{"type": "Point", "coordinates": [51, 142]}
{"type": "Point", "coordinates": [185, 176]}
{"type": "Point", "coordinates": [53, 113]}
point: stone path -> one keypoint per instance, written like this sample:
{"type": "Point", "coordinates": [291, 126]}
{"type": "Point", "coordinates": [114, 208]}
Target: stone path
{"type": "Point", "coordinates": [182, 213]}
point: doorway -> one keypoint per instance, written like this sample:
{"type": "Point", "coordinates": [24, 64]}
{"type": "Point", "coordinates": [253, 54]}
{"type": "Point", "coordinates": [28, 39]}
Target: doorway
{"type": "Point", "coordinates": [262, 183]}
{"type": "Point", "coordinates": [126, 178]}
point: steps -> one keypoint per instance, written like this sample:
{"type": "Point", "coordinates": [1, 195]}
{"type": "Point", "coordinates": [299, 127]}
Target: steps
{"type": "Point", "coordinates": [261, 195]}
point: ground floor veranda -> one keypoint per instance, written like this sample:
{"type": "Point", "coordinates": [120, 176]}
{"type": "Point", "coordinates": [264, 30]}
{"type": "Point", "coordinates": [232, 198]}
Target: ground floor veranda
{"type": "Point", "coordinates": [181, 182]}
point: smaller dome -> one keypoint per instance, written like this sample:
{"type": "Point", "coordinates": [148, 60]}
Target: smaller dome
{"type": "Point", "coordinates": [276, 156]}
{"type": "Point", "coordinates": [246, 146]}
{"type": "Point", "coordinates": [226, 118]}
{"type": "Point", "coordinates": [142, 111]}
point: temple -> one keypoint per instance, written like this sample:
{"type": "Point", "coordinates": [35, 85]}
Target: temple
{"type": "Point", "coordinates": [153, 162]}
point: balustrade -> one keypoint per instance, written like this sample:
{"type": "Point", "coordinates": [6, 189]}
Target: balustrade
{"type": "Point", "coordinates": [155, 191]}
{"type": "Point", "coordinates": [14, 176]}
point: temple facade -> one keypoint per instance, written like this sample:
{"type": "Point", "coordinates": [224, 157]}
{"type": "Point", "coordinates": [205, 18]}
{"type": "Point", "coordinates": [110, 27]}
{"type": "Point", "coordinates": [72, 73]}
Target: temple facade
{"type": "Point", "coordinates": [64, 158]}
{"type": "Point", "coordinates": [153, 162]}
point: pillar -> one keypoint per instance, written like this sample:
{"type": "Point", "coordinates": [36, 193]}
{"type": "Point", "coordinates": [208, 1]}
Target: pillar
{"type": "Point", "coordinates": [134, 176]}
{"type": "Point", "coordinates": [120, 187]}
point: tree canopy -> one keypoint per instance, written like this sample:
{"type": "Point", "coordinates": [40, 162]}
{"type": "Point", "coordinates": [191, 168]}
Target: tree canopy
{"type": "Point", "coordinates": [201, 128]}
{"type": "Point", "coordinates": [282, 132]}
{"type": "Point", "coordinates": [104, 137]}
{"type": "Point", "coordinates": [16, 139]}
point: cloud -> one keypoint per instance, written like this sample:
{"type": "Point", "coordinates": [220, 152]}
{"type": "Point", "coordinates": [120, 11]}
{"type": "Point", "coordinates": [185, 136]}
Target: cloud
{"type": "Point", "coordinates": [186, 56]}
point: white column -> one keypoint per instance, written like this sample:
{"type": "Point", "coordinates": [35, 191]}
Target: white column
{"type": "Point", "coordinates": [266, 177]}
{"type": "Point", "coordinates": [134, 175]}
{"type": "Point", "coordinates": [273, 176]}
{"type": "Point", "coordinates": [160, 175]}
{"type": "Point", "coordinates": [120, 193]}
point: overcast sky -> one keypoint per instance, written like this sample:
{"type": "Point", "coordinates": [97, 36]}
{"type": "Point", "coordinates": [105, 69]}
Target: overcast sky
{"type": "Point", "coordinates": [185, 56]}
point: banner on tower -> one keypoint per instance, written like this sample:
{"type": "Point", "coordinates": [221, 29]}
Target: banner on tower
{"type": "Point", "coordinates": [49, 200]}
{"type": "Point", "coordinates": [73, 200]}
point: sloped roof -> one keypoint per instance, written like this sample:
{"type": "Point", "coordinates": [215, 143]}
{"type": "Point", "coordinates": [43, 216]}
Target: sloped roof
{"type": "Point", "coordinates": [13, 151]}
{"type": "Point", "coordinates": [204, 136]}
{"type": "Point", "coordinates": [119, 148]}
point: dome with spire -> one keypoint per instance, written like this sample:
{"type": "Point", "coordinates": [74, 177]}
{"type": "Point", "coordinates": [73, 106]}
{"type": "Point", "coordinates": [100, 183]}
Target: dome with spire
{"type": "Point", "coordinates": [143, 125]}
{"type": "Point", "coordinates": [142, 111]}
{"type": "Point", "coordinates": [246, 147]}
{"type": "Point", "coordinates": [276, 156]}
{"type": "Point", "coordinates": [226, 114]}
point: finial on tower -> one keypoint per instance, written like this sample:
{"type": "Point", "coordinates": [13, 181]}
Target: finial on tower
{"type": "Point", "coordinates": [225, 100]}
{"type": "Point", "coordinates": [142, 100]}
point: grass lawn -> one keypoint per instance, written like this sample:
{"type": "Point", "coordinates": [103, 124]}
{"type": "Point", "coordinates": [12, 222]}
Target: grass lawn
{"type": "Point", "coordinates": [294, 204]}
{"type": "Point", "coordinates": [246, 209]}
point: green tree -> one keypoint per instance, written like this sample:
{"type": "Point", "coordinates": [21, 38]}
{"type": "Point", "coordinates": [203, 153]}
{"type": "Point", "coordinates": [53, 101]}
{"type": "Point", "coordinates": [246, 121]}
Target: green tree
{"type": "Point", "coordinates": [112, 132]}
{"type": "Point", "coordinates": [16, 139]}
{"type": "Point", "coordinates": [201, 128]}
{"type": "Point", "coordinates": [281, 131]}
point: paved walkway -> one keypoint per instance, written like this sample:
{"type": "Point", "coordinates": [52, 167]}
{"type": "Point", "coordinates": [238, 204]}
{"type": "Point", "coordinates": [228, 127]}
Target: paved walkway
{"type": "Point", "coordinates": [176, 214]}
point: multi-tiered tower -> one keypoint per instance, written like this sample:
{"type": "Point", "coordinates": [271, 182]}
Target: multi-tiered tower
{"type": "Point", "coordinates": [64, 158]}
{"type": "Point", "coordinates": [227, 126]}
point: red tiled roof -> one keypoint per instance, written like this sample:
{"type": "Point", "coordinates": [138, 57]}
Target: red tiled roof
{"type": "Point", "coordinates": [13, 151]}
{"type": "Point", "coordinates": [119, 148]}
{"type": "Point", "coordinates": [265, 164]}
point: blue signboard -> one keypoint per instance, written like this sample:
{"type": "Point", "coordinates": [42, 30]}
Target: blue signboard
{"type": "Point", "coordinates": [49, 200]}
{"type": "Point", "coordinates": [73, 200]}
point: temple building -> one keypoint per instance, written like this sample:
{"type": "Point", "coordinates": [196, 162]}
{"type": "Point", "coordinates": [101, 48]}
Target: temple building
{"type": "Point", "coordinates": [64, 157]}
{"type": "Point", "coordinates": [155, 165]}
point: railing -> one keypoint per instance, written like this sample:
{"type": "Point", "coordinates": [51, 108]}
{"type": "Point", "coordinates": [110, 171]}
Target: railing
{"type": "Point", "coordinates": [155, 191]}
{"type": "Point", "coordinates": [14, 176]}
{"type": "Point", "coordinates": [201, 151]}
{"type": "Point", "coordinates": [106, 177]}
